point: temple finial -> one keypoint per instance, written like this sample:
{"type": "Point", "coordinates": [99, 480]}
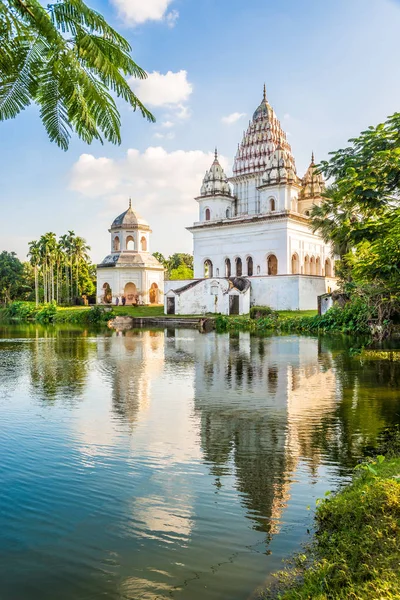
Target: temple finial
{"type": "Point", "coordinates": [216, 153]}
{"type": "Point", "coordinates": [312, 157]}
{"type": "Point", "coordinates": [130, 202]}
{"type": "Point", "coordinates": [265, 93]}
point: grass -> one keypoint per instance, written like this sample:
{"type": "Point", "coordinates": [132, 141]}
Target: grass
{"type": "Point", "coordinates": [356, 549]}
{"type": "Point", "coordinates": [293, 314]}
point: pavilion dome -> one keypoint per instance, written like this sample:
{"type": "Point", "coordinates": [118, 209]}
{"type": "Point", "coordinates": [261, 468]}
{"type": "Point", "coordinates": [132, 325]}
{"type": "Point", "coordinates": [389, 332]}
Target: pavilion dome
{"type": "Point", "coordinates": [313, 182]}
{"type": "Point", "coordinates": [130, 219]}
{"type": "Point", "coordinates": [280, 168]}
{"type": "Point", "coordinates": [215, 182]}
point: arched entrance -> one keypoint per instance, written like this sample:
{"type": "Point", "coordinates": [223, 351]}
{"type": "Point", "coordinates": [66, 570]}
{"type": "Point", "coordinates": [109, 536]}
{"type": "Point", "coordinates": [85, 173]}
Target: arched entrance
{"type": "Point", "coordinates": [328, 268]}
{"type": "Point", "coordinates": [249, 266]}
{"type": "Point", "coordinates": [238, 267]}
{"type": "Point", "coordinates": [318, 265]}
{"type": "Point", "coordinates": [153, 294]}
{"type": "Point", "coordinates": [272, 265]}
{"type": "Point", "coordinates": [130, 293]}
{"type": "Point", "coordinates": [227, 267]}
{"type": "Point", "coordinates": [295, 264]}
{"type": "Point", "coordinates": [208, 268]}
{"type": "Point", "coordinates": [130, 243]}
{"type": "Point", "coordinates": [107, 293]}
{"type": "Point", "coordinates": [312, 266]}
{"type": "Point", "coordinates": [306, 265]}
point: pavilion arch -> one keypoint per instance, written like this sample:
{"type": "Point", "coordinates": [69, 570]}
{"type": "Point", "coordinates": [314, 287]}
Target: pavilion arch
{"type": "Point", "coordinates": [130, 293]}
{"type": "Point", "coordinates": [318, 266]}
{"type": "Point", "coordinates": [328, 268]}
{"type": "Point", "coordinates": [208, 268]}
{"type": "Point", "coordinates": [228, 268]}
{"type": "Point", "coordinates": [250, 266]}
{"type": "Point", "coordinates": [143, 243]}
{"type": "Point", "coordinates": [272, 204]}
{"type": "Point", "coordinates": [107, 293]}
{"type": "Point", "coordinates": [130, 243]}
{"type": "Point", "coordinates": [312, 266]}
{"type": "Point", "coordinates": [117, 244]}
{"type": "Point", "coordinates": [207, 214]}
{"type": "Point", "coordinates": [154, 294]}
{"type": "Point", "coordinates": [295, 264]}
{"type": "Point", "coordinates": [239, 266]}
{"type": "Point", "coordinates": [272, 265]}
{"type": "Point", "coordinates": [306, 265]}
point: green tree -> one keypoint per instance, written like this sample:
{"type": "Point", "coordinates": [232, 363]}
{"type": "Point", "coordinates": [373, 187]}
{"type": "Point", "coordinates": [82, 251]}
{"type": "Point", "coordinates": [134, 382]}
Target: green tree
{"type": "Point", "coordinates": [65, 58]}
{"type": "Point", "coordinates": [11, 276]}
{"type": "Point", "coordinates": [178, 259]}
{"type": "Point", "coordinates": [181, 272]}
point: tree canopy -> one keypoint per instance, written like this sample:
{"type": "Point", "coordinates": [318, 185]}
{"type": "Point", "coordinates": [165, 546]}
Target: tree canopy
{"type": "Point", "coordinates": [11, 276]}
{"type": "Point", "coordinates": [69, 61]}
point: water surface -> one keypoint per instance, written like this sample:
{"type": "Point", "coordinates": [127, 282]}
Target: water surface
{"type": "Point", "coordinates": [170, 464]}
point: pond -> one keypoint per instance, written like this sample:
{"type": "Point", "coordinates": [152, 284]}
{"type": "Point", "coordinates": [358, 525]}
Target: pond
{"type": "Point", "coordinates": [172, 464]}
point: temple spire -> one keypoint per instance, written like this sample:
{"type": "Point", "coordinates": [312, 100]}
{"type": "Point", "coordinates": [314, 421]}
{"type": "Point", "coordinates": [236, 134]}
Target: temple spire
{"type": "Point", "coordinates": [130, 203]}
{"type": "Point", "coordinates": [312, 157]}
{"type": "Point", "coordinates": [216, 153]}
{"type": "Point", "coordinates": [265, 94]}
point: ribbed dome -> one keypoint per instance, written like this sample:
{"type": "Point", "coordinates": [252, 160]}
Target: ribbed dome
{"type": "Point", "coordinates": [129, 219]}
{"type": "Point", "coordinates": [215, 182]}
{"type": "Point", "coordinates": [313, 183]}
{"type": "Point", "coordinates": [263, 136]}
{"type": "Point", "coordinates": [280, 168]}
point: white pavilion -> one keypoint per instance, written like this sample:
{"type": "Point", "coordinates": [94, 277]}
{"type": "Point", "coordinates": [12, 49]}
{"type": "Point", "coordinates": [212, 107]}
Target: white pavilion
{"type": "Point", "coordinates": [130, 270]}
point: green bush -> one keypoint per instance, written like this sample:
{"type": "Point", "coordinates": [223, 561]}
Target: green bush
{"type": "Point", "coordinates": [258, 312]}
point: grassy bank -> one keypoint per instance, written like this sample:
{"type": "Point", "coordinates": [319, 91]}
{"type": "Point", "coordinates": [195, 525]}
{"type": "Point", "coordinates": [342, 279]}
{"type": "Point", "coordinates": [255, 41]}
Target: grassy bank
{"type": "Point", "coordinates": [356, 548]}
{"type": "Point", "coordinates": [50, 313]}
{"type": "Point", "coordinates": [350, 319]}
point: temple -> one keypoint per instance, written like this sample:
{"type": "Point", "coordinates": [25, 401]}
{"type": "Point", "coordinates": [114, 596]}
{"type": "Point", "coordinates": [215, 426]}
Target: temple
{"type": "Point", "coordinates": [130, 274]}
{"type": "Point", "coordinates": [253, 244]}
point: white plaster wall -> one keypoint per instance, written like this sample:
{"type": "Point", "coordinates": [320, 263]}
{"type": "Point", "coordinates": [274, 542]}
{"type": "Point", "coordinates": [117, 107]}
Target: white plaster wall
{"type": "Point", "coordinates": [280, 292]}
{"type": "Point", "coordinates": [118, 277]}
{"type": "Point", "coordinates": [312, 287]}
{"type": "Point", "coordinates": [217, 205]}
{"type": "Point", "coordinates": [175, 284]}
{"type": "Point", "coordinates": [208, 296]}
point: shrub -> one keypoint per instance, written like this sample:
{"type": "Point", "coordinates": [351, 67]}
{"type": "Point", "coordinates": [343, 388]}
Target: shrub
{"type": "Point", "coordinates": [257, 312]}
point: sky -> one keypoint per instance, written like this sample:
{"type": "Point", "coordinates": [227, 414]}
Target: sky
{"type": "Point", "coordinates": [331, 69]}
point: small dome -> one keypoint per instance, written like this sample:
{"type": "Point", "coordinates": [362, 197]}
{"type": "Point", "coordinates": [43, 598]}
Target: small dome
{"type": "Point", "coordinates": [313, 183]}
{"type": "Point", "coordinates": [280, 167]}
{"type": "Point", "coordinates": [129, 220]}
{"type": "Point", "coordinates": [215, 182]}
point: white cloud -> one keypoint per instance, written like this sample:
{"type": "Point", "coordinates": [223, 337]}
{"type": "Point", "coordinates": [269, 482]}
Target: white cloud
{"type": "Point", "coordinates": [167, 124]}
{"type": "Point", "coordinates": [171, 89]}
{"type": "Point", "coordinates": [230, 119]}
{"type": "Point", "coordinates": [168, 136]}
{"type": "Point", "coordinates": [171, 18]}
{"type": "Point", "coordinates": [162, 186]}
{"type": "Point", "coordinates": [140, 11]}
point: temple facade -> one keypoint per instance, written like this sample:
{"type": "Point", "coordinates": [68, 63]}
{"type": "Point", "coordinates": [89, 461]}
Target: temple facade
{"type": "Point", "coordinates": [255, 225]}
{"type": "Point", "coordinates": [130, 272]}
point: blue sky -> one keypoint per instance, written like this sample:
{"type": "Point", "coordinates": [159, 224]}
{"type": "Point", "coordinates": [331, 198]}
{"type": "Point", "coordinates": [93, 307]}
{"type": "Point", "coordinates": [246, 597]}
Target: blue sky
{"type": "Point", "coordinates": [331, 69]}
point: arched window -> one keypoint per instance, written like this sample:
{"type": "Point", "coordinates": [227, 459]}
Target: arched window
{"type": "Point", "coordinates": [328, 268]}
{"type": "Point", "coordinates": [238, 267]}
{"type": "Point", "coordinates": [117, 244]}
{"type": "Point", "coordinates": [312, 266]}
{"type": "Point", "coordinates": [258, 269]}
{"type": "Point", "coordinates": [272, 265]}
{"type": "Point", "coordinates": [130, 243]}
{"type": "Point", "coordinates": [227, 267]}
{"type": "Point", "coordinates": [318, 266]}
{"type": "Point", "coordinates": [208, 268]}
{"type": "Point", "coordinates": [207, 214]}
{"type": "Point", "coordinates": [249, 266]}
{"type": "Point", "coordinates": [143, 243]}
{"type": "Point", "coordinates": [272, 204]}
{"type": "Point", "coordinates": [107, 294]}
{"type": "Point", "coordinates": [306, 265]}
{"type": "Point", "coordinates": [228, 213]}
{"type": "Point", "coordinates": [295, 264]}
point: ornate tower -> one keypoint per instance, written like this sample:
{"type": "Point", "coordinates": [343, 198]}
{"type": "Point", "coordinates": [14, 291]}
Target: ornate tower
{"type": "Point", "coordinates": [215, 201]}
{"type": "Point", "coordinates": [312, 188]}
{"type": "Point", "coordinates": [264, 147]}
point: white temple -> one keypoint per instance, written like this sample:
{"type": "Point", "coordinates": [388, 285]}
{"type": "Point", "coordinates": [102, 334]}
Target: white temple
{"type": "Point", "coordinates": [130, 271]}
{"type": "Point", "coordinates": [253, 238]}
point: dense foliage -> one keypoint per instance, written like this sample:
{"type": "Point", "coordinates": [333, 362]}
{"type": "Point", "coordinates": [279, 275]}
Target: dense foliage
{"type": "Point", "coordinates": [177, 266]}
{"type": "Point", "coordinates": [65, 58]}
{"type": "Point", "coordinates": [12, 280]}
{"type": "Point", "coordinates": [360, 216]}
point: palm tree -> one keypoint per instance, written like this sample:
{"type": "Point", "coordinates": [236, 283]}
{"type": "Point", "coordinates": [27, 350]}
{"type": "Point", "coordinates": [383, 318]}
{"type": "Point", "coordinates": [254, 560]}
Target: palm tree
{"type": "Point", "coordinates": [80, 250]}
{"type": "Point", "coordinates": [65, 58]}
{"type": "Point", "coordinates": [34, 254]}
